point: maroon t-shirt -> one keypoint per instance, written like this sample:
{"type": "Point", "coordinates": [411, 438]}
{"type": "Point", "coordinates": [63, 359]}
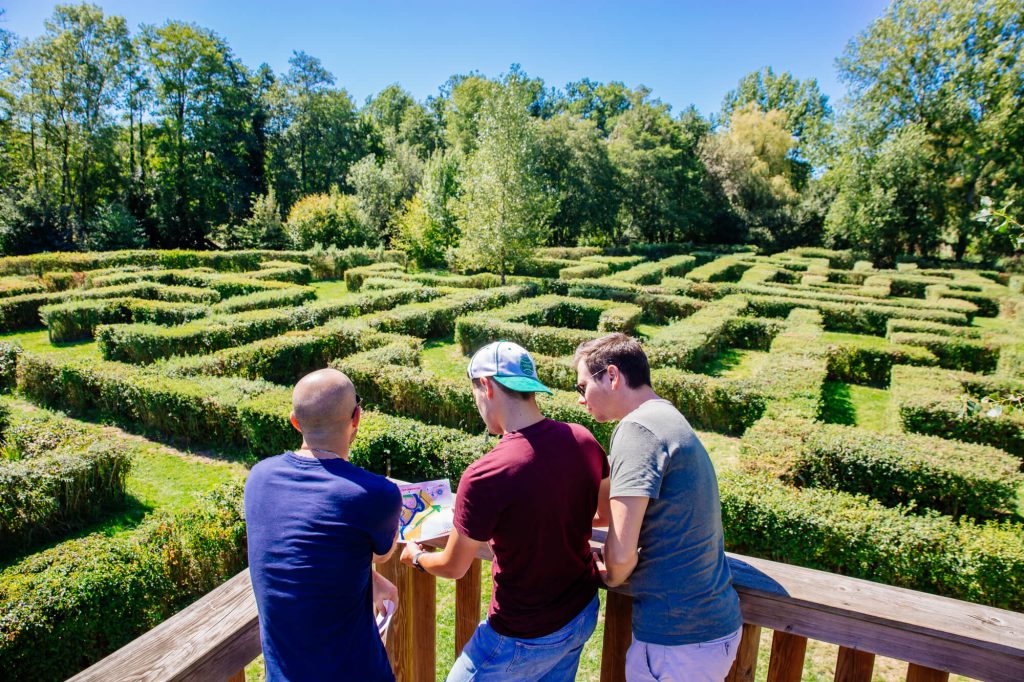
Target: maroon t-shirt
{"type": "Point", "coordinates": [532, 499]}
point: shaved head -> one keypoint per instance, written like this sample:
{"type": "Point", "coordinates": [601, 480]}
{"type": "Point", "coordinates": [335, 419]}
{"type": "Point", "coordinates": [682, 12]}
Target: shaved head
{"type": "Point", "coordinates": [323, 402]}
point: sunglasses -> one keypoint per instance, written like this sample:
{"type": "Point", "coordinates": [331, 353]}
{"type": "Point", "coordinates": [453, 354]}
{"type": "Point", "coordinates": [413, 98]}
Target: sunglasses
{"type": "Point", "coordinates": [582, 388]}
{"type": "Point", "coordinates": [356, 408]}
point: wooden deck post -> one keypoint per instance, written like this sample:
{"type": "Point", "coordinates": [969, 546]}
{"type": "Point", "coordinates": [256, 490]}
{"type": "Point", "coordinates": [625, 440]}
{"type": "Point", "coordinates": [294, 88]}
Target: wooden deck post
{"type": "Point", "coordinates": [919, 673]}
{"type": "Point", "coordinates": [787, 660]}
{"type": "Point", "coordinates": [424, 624]}
{"type": "Point", "coordinates": [745, 665]}
{"type": "Point", "coordinates": [854, 665]}
{"type": "Point", "coordinates": [467, 606]}
{"type": "Point", "coordinates": [618, 633]}
{"type": "Point", "coordinates": [399, 644]}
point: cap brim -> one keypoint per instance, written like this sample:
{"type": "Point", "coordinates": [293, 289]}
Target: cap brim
{"type": "Point", "coordinates": [523, 384]}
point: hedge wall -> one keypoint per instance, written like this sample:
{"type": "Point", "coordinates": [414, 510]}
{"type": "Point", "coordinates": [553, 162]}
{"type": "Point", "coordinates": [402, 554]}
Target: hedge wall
{"type": "Point", "coordinates": [792, 381]}
{"type": "Point", "coordinates": [931, 401]}
{"type": "Point", "coordinates": [853, 535]}
{"type": "Point", "coordinates": [67, 607]}
{"type": "Point", "coordinates": [45, 495]}
{"type": "Point", "coordinates": [870, 363]}
{"type": "Point", "coordinates": [76, 320]}
{"type": "Point", "coordinates": [688, 343]}
{"type": "Point", "coordinates": [953, 352]}
{"type": "Point", "coordinates": [260, 300]}
{"type": "Point", "coordinates": [654, 272]}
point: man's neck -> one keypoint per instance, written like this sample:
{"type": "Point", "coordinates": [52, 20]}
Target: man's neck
{"type": "Point", "coordinates": [326, 450]}
{"type": "Point", "coordinates": [634, 398]}
{"type": "Point", "coordinates": [521, 417]}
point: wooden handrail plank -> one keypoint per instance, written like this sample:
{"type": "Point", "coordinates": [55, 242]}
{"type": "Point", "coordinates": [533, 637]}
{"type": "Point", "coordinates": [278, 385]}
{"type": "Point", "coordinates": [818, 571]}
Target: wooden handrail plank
{"type": "Point", "coordinates": [211, 639]}
{"type": "Point", "coordinates": [744, 668]}
{"type": "Point", "coordinates": [467, 606]}
{"type": "Point", "coordinates": [618, 633]}
{"type": "Point", "coordinates": [936, 632]}
{"type": "Point", "coordinates": [853, 665]}
{"type": "Point", "coordinates": [787, 660]}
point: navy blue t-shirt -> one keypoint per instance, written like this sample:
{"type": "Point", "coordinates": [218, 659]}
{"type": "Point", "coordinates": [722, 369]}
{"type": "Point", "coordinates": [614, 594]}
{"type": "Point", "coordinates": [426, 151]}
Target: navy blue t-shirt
{"type": "Point", "coordinates": [313, 525]}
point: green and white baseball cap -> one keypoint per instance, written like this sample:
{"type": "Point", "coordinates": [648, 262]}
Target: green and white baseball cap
{"type": "Point", "coordinates": [510, 365]}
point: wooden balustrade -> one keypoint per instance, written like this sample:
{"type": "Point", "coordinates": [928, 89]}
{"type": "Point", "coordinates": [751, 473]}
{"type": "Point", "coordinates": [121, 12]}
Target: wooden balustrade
{"type": "Point", "coordinates": [217, 636]}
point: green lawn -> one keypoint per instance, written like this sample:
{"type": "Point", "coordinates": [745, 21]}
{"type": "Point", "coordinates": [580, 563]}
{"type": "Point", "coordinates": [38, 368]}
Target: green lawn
{"type": "Point", "coordinates": [735, 363]}
{"type": "Point", "coordinates": [855, 405]}
{"type": "Point", "coordinates": [38, 341]}
{"type": "Point", "coordinates": [444, 358]}
{"type": "Point", "coordinates": [328, 289]}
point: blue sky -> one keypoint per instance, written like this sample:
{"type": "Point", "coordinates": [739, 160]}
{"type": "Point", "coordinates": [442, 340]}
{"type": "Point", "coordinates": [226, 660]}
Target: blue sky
{"type": "Point", "coordinates": [686, 52]}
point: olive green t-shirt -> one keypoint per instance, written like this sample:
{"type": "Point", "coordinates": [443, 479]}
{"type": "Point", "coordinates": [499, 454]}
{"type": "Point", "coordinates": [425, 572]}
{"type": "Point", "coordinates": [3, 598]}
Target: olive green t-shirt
{"type": "Point", "coordinates": [682, 586]}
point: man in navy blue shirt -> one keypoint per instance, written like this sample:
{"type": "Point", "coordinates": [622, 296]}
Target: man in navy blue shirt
{"type": "Point", "coordinates": [315, 524]}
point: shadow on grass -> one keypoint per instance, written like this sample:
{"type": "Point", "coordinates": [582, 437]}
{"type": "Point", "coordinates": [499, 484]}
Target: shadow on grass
{"type": "Point", "coordinates": [836, 404]}
{"type": "Point", "coordinates": [728, 359]}
{"type": "Point", "coordinates": [111, 521]}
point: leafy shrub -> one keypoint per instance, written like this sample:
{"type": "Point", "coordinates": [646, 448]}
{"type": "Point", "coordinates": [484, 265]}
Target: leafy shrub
{"type": "Point", "coordinates": [275, 298]}
{"type": "Point", "coordinates": [43, 496]}
{"type": "Point", "coordinates": [953, 352]}
{"type": "Point", "coordinates": [870, 364]}
{"type": "Point", "coordinates": [724, 269]}
{"type": "Point", "coordinates": [328, 220]}
{"type": "Point", "coordinates": [76, 320]}
{"type": "Point", "coordinates": [70, 606]}
{"type": "Point", "coordinates": [792, 380]}
{"type": "Point", "coordinates": [688, 343]}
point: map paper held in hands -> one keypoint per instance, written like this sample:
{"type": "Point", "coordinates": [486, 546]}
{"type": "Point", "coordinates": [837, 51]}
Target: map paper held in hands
{"type": "Point", "coordinates": [384, 619]}
{"type": "Point", "coordinates": [427, 510]}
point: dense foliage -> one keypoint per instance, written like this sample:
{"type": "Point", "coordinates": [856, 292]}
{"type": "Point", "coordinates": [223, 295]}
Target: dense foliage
{"type": "Point", "coordinates": [162, 137]}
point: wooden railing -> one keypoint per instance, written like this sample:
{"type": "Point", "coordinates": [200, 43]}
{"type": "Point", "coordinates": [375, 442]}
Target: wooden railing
{"type": "Point", "coordinates": [215, 638]}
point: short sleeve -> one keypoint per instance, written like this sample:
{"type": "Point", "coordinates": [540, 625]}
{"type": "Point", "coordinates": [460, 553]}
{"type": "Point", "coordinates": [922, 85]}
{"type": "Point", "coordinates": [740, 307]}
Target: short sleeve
{"type": "Point", "coordinates": [476, 508]}
{"type": "Point", "coordinates": [382, 534]}
{"type": "Point", "coordinates": [638, 460]}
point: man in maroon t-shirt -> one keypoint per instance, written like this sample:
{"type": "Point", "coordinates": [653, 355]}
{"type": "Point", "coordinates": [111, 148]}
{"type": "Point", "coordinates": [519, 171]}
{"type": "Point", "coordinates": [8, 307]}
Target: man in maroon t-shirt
{"type": "Point", "coordinates": [532, 499]}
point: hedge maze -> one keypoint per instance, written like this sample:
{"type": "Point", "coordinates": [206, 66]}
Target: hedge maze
{"type": "Point", "coordinates": [872, 410]}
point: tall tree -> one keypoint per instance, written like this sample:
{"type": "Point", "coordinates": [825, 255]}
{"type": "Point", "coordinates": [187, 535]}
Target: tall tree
{"type": "Point", "coordinates": [72, 76]}
{"type": "Point", "coordinates": [808, 114]}
{"type": "Point", "coordinates": [504, 211]}
{"type": "Point", "coordinates": [952, 69]}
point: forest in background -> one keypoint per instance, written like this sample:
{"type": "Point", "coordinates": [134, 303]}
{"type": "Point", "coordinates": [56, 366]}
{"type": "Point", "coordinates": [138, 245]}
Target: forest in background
{"type": "Point", "coordinates": [161, 137]}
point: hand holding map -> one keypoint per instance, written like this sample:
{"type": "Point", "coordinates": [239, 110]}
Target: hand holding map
{"type": "Point", "coordinates": [427, 510]}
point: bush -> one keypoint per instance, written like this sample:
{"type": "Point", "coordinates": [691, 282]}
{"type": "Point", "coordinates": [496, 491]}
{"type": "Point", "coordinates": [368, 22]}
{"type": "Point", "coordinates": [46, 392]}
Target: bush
{"type": "Point", "coordinates": [328, 220]}
{"type": "Point", "coordinates": [920, 326]}
{"type": "Point", "coordinates": [69, 606]}
{"type": "Point", "coordinates": [792, 381]}
{"type": "Point", "coordinates": [44, 496]}
{"type": "Point", "coordinates": [76, 320]}
{"type": "Point", "coordinates": [653, 273]}
{"type": "Point", "coordinates": [142, 343]}
{"type": "Point", "coordinates": [15, 286]}
{"type": "Point", "coordinates": [931, 402]}
{"type": "Point", "coordinates": [724, 269]}
{"type": "Point", "coordinates": [275, 298]}
{"type": "Point", "coordinates": [870, 364]}
{"type": "Point", "coordinates": [354, 276]}
{"type": "Point", "coordinates": [61, 280]}
{"type": "Point", "coordinates": [280, 271]}
{"type": "Point", "coordinates": [688, 343]}
{"type": "Point", "coordinates": [853, 535]}
{"type": "Point", "coordinates": [895, 469]}
{"type": "Point", "coordinates": [864, 318]}
{"type": "Point", "coordinates": [953, 352]}
{"type": "Point", "coordinates": [550, 325]}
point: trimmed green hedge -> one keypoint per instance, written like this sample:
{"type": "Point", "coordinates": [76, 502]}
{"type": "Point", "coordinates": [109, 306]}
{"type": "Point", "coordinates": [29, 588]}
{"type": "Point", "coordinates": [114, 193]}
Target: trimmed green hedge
{"type": "Point", "coordinates": [45, 495]}
{"type": "Point", "coordinates": [895, 469]}
{"type": "Point", "coordinates": [354, 276]}
{"type": "Point", "coordinates": [550, 325]}
{"type": "Point", "coordinates": [287, 358]}
{"type": "Point", "coordinates": [282, 271]}
{"type": "Point", "coordinates": [953, 352]}
{"type": "Point", "coordinates": [792, 380]}
{"type": "Point", "coordinates": [867, 318]}
{"type": "Point", "coordinates": [145, 343]}
{"type": "Point", "coordinates": [76, 320]}
{"type": "Point", "coordinates": [68, 607]}
{"type": "Point", "coordinates": [870, 364]}
{"type": "Point", "coordinates": [654, 272]}
{"type": "Point", "coordinates": [853, 535]}
{"type": "Point", "coordinates": [724, 269]}
{"type": "Point", "coordinates": [438, 318]}
{"type": "Point", "coordinates": [275, 298]}
{"type": "Point", "coordinates": [930, 401]}
{"type": "Point", "coordinates": [920, 326]}
{"type": "Point", "coordinates": [688, 343]}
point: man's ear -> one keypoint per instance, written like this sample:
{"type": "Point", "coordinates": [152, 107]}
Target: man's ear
{"type": "Point", "coordinates": [614, 376]}
{"type": "Point", "coordinates": [488, 386]}
{"type": "Point", "coordinates": [295, 422]}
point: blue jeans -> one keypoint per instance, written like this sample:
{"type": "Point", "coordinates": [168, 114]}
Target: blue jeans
{"type": "Point", "coordinates": [552, 658]}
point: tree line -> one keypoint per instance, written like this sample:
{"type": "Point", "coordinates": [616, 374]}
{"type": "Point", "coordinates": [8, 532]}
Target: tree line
{"type": "Point", "coordinates": [162, 137]}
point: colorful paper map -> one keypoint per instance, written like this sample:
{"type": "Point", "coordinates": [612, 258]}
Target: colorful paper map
{"type": "Point", "coordinates": [427, 510]}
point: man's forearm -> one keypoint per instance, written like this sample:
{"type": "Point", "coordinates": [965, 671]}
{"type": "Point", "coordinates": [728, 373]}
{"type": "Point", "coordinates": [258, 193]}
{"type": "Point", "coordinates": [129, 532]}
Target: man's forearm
{"type": "Point", "coordinates": [441, 565]}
